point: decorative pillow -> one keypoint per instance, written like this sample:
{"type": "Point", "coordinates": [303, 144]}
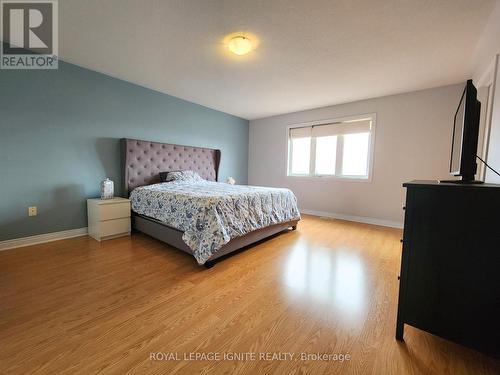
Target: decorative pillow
{"type": "Point", "coordinates": [164, 175]}
{"type": "Point", "coordinates": [181, 176]}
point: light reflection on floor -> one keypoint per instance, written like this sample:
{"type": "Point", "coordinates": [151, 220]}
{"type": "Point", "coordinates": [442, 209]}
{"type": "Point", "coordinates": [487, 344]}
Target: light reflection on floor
{"type": "Point", "coordinates": [335, 277]}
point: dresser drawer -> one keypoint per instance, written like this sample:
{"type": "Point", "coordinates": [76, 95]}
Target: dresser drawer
{"type": "Point", "coordinates": [114, 227]}
{"type": "Point", "coordinates": [114, 211]}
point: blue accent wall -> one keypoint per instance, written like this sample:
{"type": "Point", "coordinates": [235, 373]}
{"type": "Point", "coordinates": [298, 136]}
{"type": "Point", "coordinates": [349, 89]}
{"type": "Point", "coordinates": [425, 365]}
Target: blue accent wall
{"type": "Point", "coordinates": [59, 137]}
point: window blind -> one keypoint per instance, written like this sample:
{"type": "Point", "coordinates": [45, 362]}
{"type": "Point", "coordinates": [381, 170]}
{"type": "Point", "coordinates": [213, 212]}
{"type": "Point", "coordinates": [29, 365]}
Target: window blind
{"type": "Point", "coordinates": [326, 130]}
{"type": "Point", "coordinates": [304, 132]}
{"type": "Point", "coordinates": [341, 128]}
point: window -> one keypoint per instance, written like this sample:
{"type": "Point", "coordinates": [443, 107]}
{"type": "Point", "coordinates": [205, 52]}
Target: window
{"type": "Point", "coordinates": [355, 154]}
{"type": "Point", "coordinates": [337, 149]}
{"type": "Point", "coordinates": [325, 158]}
{"type": "Point", "coordinates": [301, 155]}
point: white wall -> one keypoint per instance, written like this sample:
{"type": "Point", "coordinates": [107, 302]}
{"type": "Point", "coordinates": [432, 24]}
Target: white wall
{"type": "Point", "coordinates": [412, 141]}
{"type": "Point", "coordinates": [494, 141]}
{"type": "Point", "coordinates": [488, 44]}
{"type": "Point", "coordinates": [487, 71]}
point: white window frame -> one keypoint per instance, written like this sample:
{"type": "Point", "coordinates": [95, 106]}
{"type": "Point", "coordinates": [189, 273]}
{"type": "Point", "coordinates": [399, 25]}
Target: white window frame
{"type": "Point", "coordinates": [338, 159]}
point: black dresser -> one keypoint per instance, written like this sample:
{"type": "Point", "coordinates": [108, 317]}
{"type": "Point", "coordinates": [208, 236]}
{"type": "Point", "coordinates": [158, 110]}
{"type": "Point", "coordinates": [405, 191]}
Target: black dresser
{"type": "Point", "coordinates": [450, 266]}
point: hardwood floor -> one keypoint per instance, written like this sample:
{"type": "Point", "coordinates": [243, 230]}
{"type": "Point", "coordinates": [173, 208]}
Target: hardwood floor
{"type": "Point", "coordinates": [80, 307]}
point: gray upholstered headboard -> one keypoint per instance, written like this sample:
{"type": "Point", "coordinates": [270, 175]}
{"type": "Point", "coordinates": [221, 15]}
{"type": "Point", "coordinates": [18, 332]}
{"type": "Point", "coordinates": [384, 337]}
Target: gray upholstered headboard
{"type": "Point", "coordinates": [144, 160]}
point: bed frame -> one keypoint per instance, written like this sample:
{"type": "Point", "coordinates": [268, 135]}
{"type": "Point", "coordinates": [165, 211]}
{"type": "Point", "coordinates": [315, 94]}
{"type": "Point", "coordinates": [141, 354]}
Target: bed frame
{"type": "Point", "coordinates": [142, 163]}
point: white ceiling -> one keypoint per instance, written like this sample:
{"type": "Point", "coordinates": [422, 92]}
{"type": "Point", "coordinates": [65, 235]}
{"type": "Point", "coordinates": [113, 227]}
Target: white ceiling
{"type": "Point", "coordinates": [311, 53]}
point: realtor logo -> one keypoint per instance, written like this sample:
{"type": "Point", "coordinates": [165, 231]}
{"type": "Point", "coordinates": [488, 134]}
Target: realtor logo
{"type": "Point", "coordinates": [29, 34]}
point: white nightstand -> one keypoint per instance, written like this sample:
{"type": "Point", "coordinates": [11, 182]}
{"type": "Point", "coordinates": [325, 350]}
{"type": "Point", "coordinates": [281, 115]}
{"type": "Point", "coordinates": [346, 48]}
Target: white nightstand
{"type": "Point", "coordinates": [108, 218]}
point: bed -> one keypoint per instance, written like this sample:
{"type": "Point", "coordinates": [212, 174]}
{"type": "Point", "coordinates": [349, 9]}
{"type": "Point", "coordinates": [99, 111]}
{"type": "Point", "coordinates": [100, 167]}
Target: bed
{"type": "Point", "coordinates": [215, 219]}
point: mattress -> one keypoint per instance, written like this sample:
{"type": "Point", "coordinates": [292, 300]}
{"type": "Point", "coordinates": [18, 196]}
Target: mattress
{"type": "Point", "coordinates": [210, 214]}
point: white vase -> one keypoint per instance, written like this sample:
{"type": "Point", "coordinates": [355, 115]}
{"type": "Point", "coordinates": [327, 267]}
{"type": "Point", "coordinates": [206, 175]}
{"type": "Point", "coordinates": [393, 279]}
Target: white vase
{"type": "Point", "coordinates": [107, 189]}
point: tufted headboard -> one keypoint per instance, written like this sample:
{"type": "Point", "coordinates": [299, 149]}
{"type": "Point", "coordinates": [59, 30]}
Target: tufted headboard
{"type": "Point", "coordinates": [144, 160]}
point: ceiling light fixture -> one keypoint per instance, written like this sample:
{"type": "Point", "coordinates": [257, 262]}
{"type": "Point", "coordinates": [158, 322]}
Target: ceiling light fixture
{"type": "Point", "coordinates": [240, 45]}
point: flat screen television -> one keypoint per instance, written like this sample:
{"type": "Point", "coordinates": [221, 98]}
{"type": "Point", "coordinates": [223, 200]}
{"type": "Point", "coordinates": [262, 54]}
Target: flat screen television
{"type": "Point", "coordinates": [465, 136]}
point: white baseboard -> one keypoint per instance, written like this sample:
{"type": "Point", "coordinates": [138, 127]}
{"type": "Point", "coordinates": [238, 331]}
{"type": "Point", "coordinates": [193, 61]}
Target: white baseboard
{"type": "Point", "coordinates": [42, 238]}
{"type": "Point", "coordinates": [55, 236]}
{"type": "Point", "coordinates": [359, 219]}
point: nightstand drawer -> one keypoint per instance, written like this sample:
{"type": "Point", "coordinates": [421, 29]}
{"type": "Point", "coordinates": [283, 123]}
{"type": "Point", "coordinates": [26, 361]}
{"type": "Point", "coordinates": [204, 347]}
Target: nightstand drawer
{"type": "Point", "coordinates": [108, 218]}
{"type": "Point", "coordinates": [114, 211]}
{"type": "Point", "coordinates": [115, 227]}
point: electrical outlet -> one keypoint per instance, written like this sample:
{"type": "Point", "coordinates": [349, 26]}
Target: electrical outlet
{"type": "Point", "coordinates": [32, 211]}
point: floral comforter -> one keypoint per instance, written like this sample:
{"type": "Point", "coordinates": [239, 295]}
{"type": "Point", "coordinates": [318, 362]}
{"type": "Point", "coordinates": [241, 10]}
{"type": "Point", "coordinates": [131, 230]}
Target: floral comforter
{"type": "Point", "coordinates": [210, 213]}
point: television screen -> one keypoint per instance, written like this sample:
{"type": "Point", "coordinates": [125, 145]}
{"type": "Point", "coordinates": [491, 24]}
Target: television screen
{"type": "Point", "coordinates": [458, 130]}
